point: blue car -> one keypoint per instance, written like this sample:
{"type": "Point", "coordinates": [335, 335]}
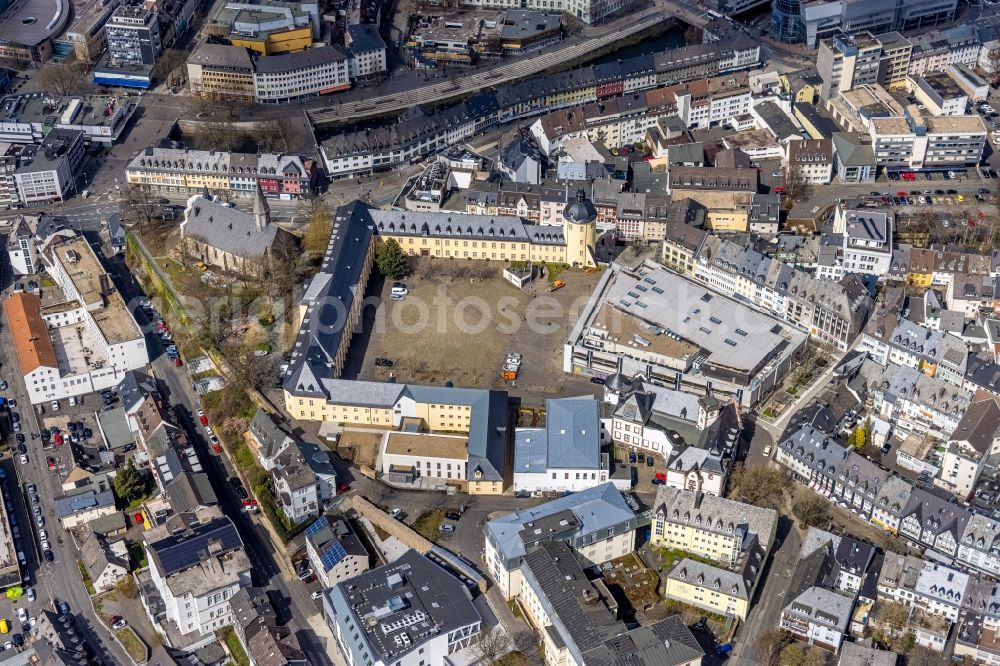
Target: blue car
{"type": "Point", "coordinates": [724, 649]}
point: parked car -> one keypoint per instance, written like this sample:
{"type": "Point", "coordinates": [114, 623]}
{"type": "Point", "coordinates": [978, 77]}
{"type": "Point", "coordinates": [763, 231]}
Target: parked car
{"type": "Point", "coordinates": [202, 418]}
{"type": "Point", "coordinates": [453, 515]}
{"type": "Point", "coordinates": [118, 622]}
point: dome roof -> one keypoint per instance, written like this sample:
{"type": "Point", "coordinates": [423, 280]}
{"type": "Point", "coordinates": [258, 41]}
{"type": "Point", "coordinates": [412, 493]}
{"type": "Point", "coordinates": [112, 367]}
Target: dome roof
{"type": "Point", "coordinates": [618, 382]}
{"type": "Point", "coordinates": [580, 211]}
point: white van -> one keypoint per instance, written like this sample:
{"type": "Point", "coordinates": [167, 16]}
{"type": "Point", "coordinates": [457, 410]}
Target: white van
{"type": "Point", "coordinates": [85, 194]}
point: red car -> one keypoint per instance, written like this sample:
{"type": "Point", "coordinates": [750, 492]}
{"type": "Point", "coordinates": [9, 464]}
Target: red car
{"type": "Point", "coordinates": [217, 448]}
{"type": "Point", "coordinates": [138, 519]}
{"type": "Point", "coordinates": [343, 488]}
{"type": "Point", "coordinates": [51, 462]}
{"type": "Point", "coordinates": [57, 438]}
{"type": "Point", "coordinates": [202, 418]}
{"type": "Point", "coordinates": [779, 189]}
{"type": "Point", "coordinates": [178, 362]}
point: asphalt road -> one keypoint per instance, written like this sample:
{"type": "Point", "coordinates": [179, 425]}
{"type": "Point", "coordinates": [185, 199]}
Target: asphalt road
{"type": "Point", "coordinates": [60, 578]}
{"type": "Point", "coordinates": [293, 598]}
{"type": "Point", "coordinates": [770, 596]}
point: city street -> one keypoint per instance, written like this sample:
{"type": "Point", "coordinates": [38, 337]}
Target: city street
{"type": "Point", "coordinates": [270, 568]}
{"type": "Point", "coordinates": [61, 577]}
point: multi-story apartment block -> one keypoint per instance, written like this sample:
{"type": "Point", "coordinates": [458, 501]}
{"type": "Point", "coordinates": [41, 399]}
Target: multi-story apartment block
{"type": "Point", "coordinates": [597, 523]}
{"type": "Point", "coordinates": [196, 563]}
{"type": "Point", "coordinates": [718, 590]}
{"type": "Point", "coordinates": [928, 142]}
{"type": "Point", "coordinates": [934, 50]}
{"type": "Point", "coordinates": [811, 160]}
{"type": "Point", "coordinates": [861, 243]}
{"type": "Point", "coordinates": [974, 440]}
{"type": "Point", "coordinates": [87, 342]}
{"type": "Point", "coordinates": [708, 526]}
{"type": "Point", "coordinates": [932, 352]}
{"type": "Point", "coordinates": [409, 612]}
{"type": "Point", "coordinates": [927, 586]}
{"type": "Point", "coordinates": [819, 617]}
{"type": "Point", "coordinates": [367, 50]}
{"type": "Point", "coordinates": [915, 401]}
{"type": "Point", "coordinates": [848, 61]}
{"type": "Point", "coordinates": [192, 171]}
{"type": "Point", "coordinates": [844, 477]}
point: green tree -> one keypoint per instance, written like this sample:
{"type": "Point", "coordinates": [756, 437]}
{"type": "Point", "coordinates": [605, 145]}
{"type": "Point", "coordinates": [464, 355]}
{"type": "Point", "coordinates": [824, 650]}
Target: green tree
{"type": "Point", "coordinates": [130, 483]}
{"type": "Point", "coordinates": [791, 655]}
{"type": "Point", "coordinates": [317, 235]}
{"type": "Point", "coordinates": [15, 593]}
{"type": "Point", "coordinates": [391, 260]}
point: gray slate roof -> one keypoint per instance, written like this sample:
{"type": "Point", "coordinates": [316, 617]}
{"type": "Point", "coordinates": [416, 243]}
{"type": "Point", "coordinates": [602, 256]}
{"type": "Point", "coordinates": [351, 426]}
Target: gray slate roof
{"type": "Point", "coordinates": [226, 228]}
{"type": "Point", "coordinates": [595, 511]}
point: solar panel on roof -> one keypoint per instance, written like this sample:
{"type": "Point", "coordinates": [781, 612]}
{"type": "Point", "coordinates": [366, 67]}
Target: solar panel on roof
{"type": "Point", "coordinates": [335, 553]}
{"type": "Point", "coordinates": [182, 551]}
{"type": "Point", "coordinates": [320, 523]}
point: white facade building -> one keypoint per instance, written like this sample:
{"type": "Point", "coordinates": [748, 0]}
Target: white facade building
{"type": "Point", "coordinates": [308, 73]}
{"type": "Point", "coordinates": [198, 575]}
{"type": "Point", "coordinates": [565, 455]}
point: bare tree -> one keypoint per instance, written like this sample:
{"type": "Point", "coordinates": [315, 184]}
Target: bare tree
{"type": "Point", "coordinates": [768, 645]}
{"type": "Point", "coordinates": [491, 646]}
{"type": "Point", "coordinates": [993, 61]}
{"type": "Point", "coordinates": [170, 66]}
{"type": "Point", "coordinates": [66, 78]}
{"type": "Point", "coordinates": [797, 186]}
{"type": "Point", "coordinates": [138, 204]}
{"type": "Point", "coordinates": [320, 227]}
{"type": "Point", "coordinates": [275, 135]}
{"type": "Point", "coordinates": [217, 136]}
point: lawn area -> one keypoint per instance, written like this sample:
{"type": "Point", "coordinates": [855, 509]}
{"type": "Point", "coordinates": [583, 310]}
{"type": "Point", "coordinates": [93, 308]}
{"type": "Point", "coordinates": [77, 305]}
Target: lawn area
{"type": "Point", "coordinates": [132, 644]}
{"type": "Point", "coordinates": [672, 556]}
{"type": "Point", "coordinates": [428, 523]}
{"type": "Point", "coordinates": [136, 555]}
{"type": "Point", "coordinates": [514, 658]}
{"type": "Point", "coordinates": [236, 650]}
{"type": "Point", "coordinates": [87, 583]}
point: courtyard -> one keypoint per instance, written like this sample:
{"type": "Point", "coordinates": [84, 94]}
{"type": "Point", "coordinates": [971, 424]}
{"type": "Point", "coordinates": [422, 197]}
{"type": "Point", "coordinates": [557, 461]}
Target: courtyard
{"type": "Point", "coordinates": [458, 322]}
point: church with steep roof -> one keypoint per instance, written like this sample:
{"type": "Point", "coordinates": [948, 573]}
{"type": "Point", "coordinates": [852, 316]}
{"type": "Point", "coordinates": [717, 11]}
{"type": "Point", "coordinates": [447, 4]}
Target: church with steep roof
{"type": "Point", "coordinates": [229, 239]}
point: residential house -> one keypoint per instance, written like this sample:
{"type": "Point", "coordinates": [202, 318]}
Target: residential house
{"type": "Point", "coordinates": [334, 550]}
{"type": "Point", "coordinates": [104, 566]}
